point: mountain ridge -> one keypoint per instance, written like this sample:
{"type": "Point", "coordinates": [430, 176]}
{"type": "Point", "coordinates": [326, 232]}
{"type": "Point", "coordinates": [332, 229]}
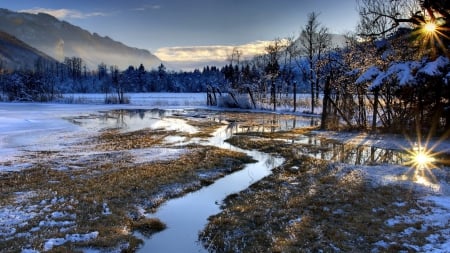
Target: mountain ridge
{"type": "Point", "coordinates": [60, 39]}
{"type": "Point", "coordinates": [16, 54]}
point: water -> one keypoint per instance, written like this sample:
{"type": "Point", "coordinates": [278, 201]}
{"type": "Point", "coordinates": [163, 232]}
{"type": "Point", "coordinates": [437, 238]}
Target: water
{"type": "Point", "coordinates": [186, 216]}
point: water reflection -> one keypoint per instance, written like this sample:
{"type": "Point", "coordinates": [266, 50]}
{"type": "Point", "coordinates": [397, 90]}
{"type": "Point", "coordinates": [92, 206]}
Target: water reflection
{"type": "Point", "coordinates": [133, 120]}
{"type": "Point", "coordinates": [245, 123]}
{"type": "Point", "coordinates": [264, 122]}
{"type": "Point", "coordinates": [187, 215]}
{"type": "Point", "coordinates": [350, 154]}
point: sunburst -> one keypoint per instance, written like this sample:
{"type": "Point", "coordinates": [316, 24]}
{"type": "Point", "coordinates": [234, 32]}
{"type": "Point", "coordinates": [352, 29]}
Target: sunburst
{"type": "Point", "coordinates": [429, 27]}
{"type": "Point", "coordinates": [421, 158]}
{"type": "Point", "coordinates": [431, 34]}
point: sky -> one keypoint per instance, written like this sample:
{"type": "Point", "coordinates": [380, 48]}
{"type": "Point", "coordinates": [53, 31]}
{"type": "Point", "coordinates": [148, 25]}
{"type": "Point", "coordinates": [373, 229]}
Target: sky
{"type": "Point", "coordinates": [195, 30]}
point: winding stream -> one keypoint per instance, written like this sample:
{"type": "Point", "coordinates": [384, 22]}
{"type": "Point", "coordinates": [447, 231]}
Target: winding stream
{"type": "Point", "coordinates": [186, 216]}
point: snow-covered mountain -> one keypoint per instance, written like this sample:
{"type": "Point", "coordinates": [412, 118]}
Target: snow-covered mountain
{"type": "Point", "coordinates": [15, 54]}
{"type": "Point", "coordinates": [60, 39]}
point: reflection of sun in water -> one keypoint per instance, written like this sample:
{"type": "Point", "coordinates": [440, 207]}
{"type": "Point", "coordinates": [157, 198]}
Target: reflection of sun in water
{"type": "Point", "coordinates": [421, 160]}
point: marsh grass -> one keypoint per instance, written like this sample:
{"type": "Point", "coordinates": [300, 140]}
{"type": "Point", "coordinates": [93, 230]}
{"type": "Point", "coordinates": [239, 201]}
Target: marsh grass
{"type": "Point", "coordinates": [147, 227]}
{"type": "Point", "coordinates": [206, 128]}
{"type": "Point", "coordinates": [311, 208]}
{"type": "Point", "coordinates": [103, 190]}
{"type": "Point", "coordinates": [114, 139]}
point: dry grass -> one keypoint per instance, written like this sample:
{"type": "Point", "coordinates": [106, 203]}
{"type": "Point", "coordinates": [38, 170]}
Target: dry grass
{"type": "Point", "coordinates": [101, 192]}
{"type": "Point", "coordinates": [113, 140]}
{"type": "Point", "coordinates": [148, 227]}
{"type": "Point", "coordinates": [308, 208]}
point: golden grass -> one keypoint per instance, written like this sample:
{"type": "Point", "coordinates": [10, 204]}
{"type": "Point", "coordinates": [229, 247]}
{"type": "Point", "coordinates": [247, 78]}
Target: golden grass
{"type": "Point", "coordinates": [109, 177]}
{"type": "Point", "coordinates": [308, 209]}
{"type": "Point", "coordinates": [149, 226]}
{"type": "Point", "coordinates": [112, 140]}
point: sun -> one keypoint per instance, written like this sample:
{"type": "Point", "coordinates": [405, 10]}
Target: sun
{"type": "Point", "coordinates": [429, 27]}
{"type": "Point", "coordinates": [431, 34]}
{"type": "Point", "coordinates": [422, 158]}
{"type": "Point", "coordinates": [421, 161]}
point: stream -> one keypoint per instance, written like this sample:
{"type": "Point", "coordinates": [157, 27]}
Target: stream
{"type": "Point", "coordinates": [186, 216]}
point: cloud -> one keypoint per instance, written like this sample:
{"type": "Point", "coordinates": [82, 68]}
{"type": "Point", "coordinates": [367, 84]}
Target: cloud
{"type": "Point", "coordinates": [215, 53]}
{"type": "Point", "coordinates": [148, 7]}
{"type": "Point", "coordinates": [64, 13]}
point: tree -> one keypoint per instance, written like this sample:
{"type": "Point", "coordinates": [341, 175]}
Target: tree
{"type": "Point", "coordinates": [272, 68]}
{"type": "Point", "coordinates": [414, 38]}
{"type": "Point", "coordinates": [314, 40]}
{"type": "Point", "coordinates": [117, 83]}
{"type": "Point", "coordinates": [141, 78]}
{"type": "Point", "coordinates": [291, 51]}
{"type": "Point", "coordinates": [430, 20]}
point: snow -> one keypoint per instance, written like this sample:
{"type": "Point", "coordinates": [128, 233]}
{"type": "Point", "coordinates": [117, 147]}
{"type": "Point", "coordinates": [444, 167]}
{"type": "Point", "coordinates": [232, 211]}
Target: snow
{"type": "Point", "coordinates": [31, 126]}
{"type": "Point", "coordinates": [11, 216]}
{"type": "Point", "coordinates": [156, 154]}
{"type": "Point", "coordinates": [368, 75]}
{"type": "Point", "coordinates": [406, 73]}
{"type": "Point", "coordinates": [434, 68]}
{"type": "Point", "coordinates": [50, 243]}
{"type": "Point", "coordinates": [403, 72]}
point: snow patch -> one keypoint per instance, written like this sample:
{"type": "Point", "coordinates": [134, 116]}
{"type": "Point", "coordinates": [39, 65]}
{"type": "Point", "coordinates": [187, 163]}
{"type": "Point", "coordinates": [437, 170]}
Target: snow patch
{"type": "Point", "coordinates": [434, 68]}
{"type": "Point", "coordinates": [106, 210]}
{"type": "Point", "coordinates": [50, 243]}
{"type": "Point", "coordinates": [156, 154]}
{"type": "Point", "coordinates": [12, 216]}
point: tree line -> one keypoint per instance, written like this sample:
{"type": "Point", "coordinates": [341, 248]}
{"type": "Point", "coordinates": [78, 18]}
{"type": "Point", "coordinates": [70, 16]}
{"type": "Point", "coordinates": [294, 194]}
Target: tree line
{"type": "Point", "coordinates": [393, 74]}
{"type": "Point", "coordinates": [48, 80]}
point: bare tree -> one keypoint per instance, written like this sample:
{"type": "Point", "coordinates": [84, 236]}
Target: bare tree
{"type": "Point", "coordinates": [314, 39]}
{"type": "Point", "coordinates": [291, 53]}
{"type": "Point", "coordinates": [235, 56]}
{"type": "Point", "coordinates": [272, 68]}
{"type": "Point", "coordinates": [380, 17]}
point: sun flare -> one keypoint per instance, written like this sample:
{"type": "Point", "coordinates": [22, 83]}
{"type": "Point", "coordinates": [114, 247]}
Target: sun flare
{"type": "Point", "coordinates": [422, 158]}
{"type": "Point", "coordinates": [431, 34]}
{"type": "Point", "coordinates": [430, 27]}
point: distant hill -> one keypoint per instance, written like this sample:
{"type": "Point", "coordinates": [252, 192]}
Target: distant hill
{"type": "Point", "coordinates": [15, 54]}
{"type": "Point", "coordinates": [60, 39]}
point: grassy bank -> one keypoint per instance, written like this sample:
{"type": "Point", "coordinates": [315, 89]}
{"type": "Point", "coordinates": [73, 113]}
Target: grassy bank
{"type": "Point", "coordinates": [310, 205]}
{"type": "Point", "coordinates": [102, 188]}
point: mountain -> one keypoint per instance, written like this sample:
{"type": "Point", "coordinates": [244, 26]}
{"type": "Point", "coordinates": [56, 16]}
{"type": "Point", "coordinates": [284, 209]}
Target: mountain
{"type": "Point", "coordinates": [15, 54]}
{"type": "Point", "coordinates": [60, 39]}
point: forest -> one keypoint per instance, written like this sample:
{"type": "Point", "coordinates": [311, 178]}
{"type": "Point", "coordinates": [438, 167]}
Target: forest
{"type": "Point", "coordinates": [392, 75]}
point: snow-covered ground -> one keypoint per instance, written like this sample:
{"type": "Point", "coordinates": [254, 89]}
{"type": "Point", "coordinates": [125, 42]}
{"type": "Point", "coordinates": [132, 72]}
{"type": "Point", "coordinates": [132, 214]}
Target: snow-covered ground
{"type": "Point", "coordinates": [36, 126]}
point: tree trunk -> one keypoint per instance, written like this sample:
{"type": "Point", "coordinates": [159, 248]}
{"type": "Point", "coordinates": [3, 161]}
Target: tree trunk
{"type": "Point", "coordinates": [273, 95]}
{"type": "Point", "coordinates": [326, 98]}
{"type": "Point", "coordinates": [375, 110]}
{"type": "Point", "coordinates": [234, 98]}
{"type": "Point", "coordinates": [295, 96]}
{"type": "Point", "coordinates": [251, 97]}
{"type": "Point", "coordinates": [313, 102]}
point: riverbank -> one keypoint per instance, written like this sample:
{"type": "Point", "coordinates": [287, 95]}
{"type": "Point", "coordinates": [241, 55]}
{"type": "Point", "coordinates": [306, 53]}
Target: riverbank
{"type": "Point", "coordinates": [310, 204]}
{"type": "Point", "coordinates": [67, 170]}
{"type": "Point", "coordinates": [91, 190]}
